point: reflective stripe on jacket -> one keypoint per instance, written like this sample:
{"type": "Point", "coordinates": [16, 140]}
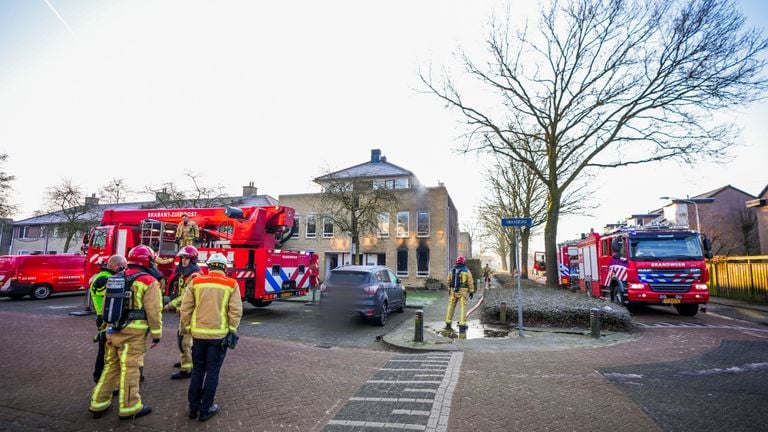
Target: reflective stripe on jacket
{"type": "Point", "coordinates": [212, 306]}
{"type": "Point", "coordinates": [147, 296]}
{"type": "Point", "coordinates": [98, 289]}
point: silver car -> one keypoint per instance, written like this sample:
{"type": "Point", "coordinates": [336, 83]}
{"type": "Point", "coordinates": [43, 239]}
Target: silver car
{"type": "Point", "coordinates": [370, 292]}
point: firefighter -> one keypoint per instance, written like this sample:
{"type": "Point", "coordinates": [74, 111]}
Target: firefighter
{"type": "Point", "coordinates": [211, 310]}
{"type": "Point", "coordinates": [185, 272]}
{"type": "Point", "coordinates": [487, 274]}
{"type": "Point", "coordinates": [98, 286]}
{"type": "Point", "coordinates": [125, 348]}
{"type": "Point", "coordinates": [460, 286]}
{"type": "Point", "coordinates": [187, 232]}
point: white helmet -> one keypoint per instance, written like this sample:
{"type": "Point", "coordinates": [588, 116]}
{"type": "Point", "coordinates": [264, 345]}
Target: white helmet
{"type": "Point", "coordinates": [217, 261]}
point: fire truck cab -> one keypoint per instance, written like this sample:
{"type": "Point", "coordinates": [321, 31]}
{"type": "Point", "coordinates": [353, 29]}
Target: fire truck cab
{"type": "Point", "coordinates": [568, 264]}
{"type": "Point", "coordinates": [636, 266]}
{"type": "Point", "coordinates": [249, 237]}
{"type": "Point", "coordinates": [539, 263]}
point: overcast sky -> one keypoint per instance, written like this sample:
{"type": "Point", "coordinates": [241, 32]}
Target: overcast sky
{"type": "Point", "coordinates": [275, 93]}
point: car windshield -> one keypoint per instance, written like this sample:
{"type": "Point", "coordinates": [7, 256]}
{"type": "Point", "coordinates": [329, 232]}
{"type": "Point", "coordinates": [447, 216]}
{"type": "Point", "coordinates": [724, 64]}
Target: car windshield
{"type": "Point", "coordinates": [349, 277]}
{"type": "Point", "coordinates": [666, 247]}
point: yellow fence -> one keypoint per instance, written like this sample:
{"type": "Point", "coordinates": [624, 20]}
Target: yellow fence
{"type": "Point", "coordinates": [739, 278]}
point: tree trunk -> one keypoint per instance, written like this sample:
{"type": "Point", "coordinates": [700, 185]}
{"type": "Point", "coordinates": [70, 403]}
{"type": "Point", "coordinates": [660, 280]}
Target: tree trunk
{"type": "Point", "coordinates": [526, 235]}
{"type": "Point", "coordinates": [550, 236]}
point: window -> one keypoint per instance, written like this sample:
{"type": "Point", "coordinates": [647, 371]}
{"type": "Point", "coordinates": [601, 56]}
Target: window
{"type": "Point", "coordinates": [327, 227]}
{"type": "Point", "coordinates": [422, 223]}
{"type": "Point", "coordinates": [606, 247]}
{"type": "Point", "coordinates": [383, 184]}
{"type": "Point", "coordinates": [22, 252]}
{"type": "Point", "coordinates": [402, 224]}
{"type": "Point", "coordinates": [401, 183]}
{"type": "Point", "coordinates": [29, 231]}
{"type": "Point", "coordinates": [311, 226]}
{"type": "Point", "coordinates": [422, 262]}
{"type": "Point", "coordinates": [383, 225]}
{"type": "Point", "coordinates": [296, 225]}
{"type": "Point", "coordinates": [402, 262]}
{"type": "Point", "coordinates": [383, 276]}
{"type": "Point", "coordinates": [99, 238]}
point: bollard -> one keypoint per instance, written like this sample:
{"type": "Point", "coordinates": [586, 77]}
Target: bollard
{"type": "Point", "coordinates": [418, 335]}
{"type": "Point", "coordinates": [594, 322]}
{"type": "Point", "coordinates": [503, 312]}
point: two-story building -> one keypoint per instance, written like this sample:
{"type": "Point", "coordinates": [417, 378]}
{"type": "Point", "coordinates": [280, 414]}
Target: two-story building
{"type": "Point", "coordinates": [418, 241]}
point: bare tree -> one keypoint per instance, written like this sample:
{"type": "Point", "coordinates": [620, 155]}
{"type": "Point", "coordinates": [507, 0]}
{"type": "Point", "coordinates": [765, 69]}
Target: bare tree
{"type": "Point", "coordinates": [355, 206]}
{"type": "Point", "coordinates": [171, 195]}
{"type": "Point", "coordinates": [603, 84]}
{"type": "Point", "coordinates": [6, 208]}
{"type": "Point", "coordinates": [115, 191]}
{"type": "Point", "coordinates": [66, 201]}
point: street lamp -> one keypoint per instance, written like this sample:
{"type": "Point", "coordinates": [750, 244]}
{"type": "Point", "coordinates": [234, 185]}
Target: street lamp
{"type": "Point", "coordinates": [693, 201]}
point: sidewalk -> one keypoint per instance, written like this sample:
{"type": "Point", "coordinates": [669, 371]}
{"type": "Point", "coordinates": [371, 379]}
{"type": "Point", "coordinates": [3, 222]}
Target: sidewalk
{"type": "Point", "coordinates": [739, 304]}
{"type": "Point", "coordinates": [533, 339]}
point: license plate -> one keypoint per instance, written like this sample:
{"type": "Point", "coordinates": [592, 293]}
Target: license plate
{"type": "Point", "coordinates": [670, 301]}
{"type": "Point", "coordinates": [288, 294]}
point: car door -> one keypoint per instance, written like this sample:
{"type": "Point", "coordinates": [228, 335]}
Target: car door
{"type": "Point", "coordinates": [397, 288]}
{"type": "Point", "coordinates": [386, 285]}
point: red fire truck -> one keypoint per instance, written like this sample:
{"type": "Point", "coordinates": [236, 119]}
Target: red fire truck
{"type": "Point", "coordinates": [249, 237]}
{"type": "Point", "coordinates": [40, 275]}
{"type": "Point", "coordinates": [636, 266]}
{"type": "Point", "coordinates": [568, 263]}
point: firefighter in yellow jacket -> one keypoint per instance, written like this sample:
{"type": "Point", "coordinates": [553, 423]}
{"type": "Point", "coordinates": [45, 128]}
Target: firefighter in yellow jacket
{"type": "Point", "coordinates": [461, 286]}
{"type": "Point", "coordinates": [187, 232]}
{"type": "Point", "coordinates": [211, 310]}
{"type": "Point", "coordinates": [185, 272]}
{"type": "Point", "coordinates": [126, 346]}
{"type": "Point", "coordinates": [98, 287]}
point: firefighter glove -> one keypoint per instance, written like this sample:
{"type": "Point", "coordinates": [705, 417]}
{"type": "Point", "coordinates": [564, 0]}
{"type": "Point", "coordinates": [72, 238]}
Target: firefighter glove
{"type": "Point", "coordinates": [99, 321]}
{"type": "Point", "coordinates": [471, 295]}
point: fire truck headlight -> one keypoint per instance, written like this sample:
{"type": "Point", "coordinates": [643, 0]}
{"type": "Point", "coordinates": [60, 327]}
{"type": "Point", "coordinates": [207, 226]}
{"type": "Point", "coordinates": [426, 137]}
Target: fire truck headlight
{"type": "Point", "coordinates": [700, 286]}
{"type": "Point", "coordinates": [636, 286]}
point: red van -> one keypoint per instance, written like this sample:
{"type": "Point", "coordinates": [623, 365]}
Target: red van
{"type": "Point", "coordinates": [40, 275]}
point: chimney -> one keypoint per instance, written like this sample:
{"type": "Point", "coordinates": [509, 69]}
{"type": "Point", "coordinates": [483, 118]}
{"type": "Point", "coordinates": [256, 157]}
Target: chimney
{"type": "Point", "coordinates": [250, 190]}
{"type": "Point", "coordinates": [91, 200]}
{"type": "Point", "coordinates": [375, 156]}
{"type": "Point", "coordinates": [162, 196]}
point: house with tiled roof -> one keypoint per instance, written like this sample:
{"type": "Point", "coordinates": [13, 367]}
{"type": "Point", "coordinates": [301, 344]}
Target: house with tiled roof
{"type": "Point", "coordinates": [42, 234]}
{"type": "Point", "coordinates": [418, 241]}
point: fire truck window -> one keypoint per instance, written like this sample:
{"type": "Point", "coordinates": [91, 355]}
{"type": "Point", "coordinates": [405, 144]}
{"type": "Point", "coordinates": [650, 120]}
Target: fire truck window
{"type": "Point", "coordinates": [99, 239]}
{"type": "Point", "coordinates": [301, 269]}
{"type": "Point", "coordinates": [275, 270]}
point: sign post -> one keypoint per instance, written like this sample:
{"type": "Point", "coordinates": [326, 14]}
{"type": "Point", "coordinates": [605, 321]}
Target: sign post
{"type": "Point", "coordinates": [517, 224]}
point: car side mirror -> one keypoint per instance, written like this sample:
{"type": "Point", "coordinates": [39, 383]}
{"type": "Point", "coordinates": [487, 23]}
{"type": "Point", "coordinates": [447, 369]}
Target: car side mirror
{"type": "Point", "coordinates": [397, 281]}
{"type": "Point", "coordinates": [708, 255]}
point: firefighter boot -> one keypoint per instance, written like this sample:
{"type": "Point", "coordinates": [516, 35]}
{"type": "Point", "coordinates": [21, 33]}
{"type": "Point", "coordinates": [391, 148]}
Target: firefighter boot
{"type": "Point", "coordinates": [448, 326]}
{"type": "Point", "coordinates": [181, 375]}
{"type": "Point", "coordinates": [146, 409]}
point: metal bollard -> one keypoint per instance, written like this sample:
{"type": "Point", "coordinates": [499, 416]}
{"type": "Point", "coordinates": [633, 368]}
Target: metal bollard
{"type": "Point", "coordinates": [503, 312]}
{"type": "Point", "coordinates": [594, 322]}
{"type": "Point", "coordinates": [418, 335]}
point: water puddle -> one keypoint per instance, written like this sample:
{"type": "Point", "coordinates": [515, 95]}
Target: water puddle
{"type": "Point", "coordinates": [474, 330]}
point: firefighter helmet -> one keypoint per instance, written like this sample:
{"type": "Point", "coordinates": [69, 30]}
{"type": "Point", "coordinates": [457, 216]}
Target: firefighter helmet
{"type": "Point", "coordinates": [460, 259]}
{"type": "Point", "coordinates": [188, 252]}
{"type": "Point", "coordinates": [217, 261]}
{"type": "Point", "coordinates": [141, 255]}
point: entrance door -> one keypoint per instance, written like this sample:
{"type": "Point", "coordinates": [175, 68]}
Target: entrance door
{"type": "Point", "coordinates": [331, 261]}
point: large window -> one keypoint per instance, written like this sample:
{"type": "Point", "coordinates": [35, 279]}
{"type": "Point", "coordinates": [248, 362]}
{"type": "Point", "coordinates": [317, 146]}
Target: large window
{"type": "Point", "coordinates": [311, 226]}
{"type": "Point", "coordinates": [422, 223]}
{"type": "Point", "coordinates": [402, 262]}
{"type": "Point", "coordinates": [383, 225]}
{"type": "Point", "coordinates": [296, 226]}
{"type": "Point", "coordinates": [402, 224]}
{"type": "Point", "coordinates": [327, 227]}
{"type": "Point", "coordinates": [29, 231]}
{"type": "Point", "coordinates": [422, 262]}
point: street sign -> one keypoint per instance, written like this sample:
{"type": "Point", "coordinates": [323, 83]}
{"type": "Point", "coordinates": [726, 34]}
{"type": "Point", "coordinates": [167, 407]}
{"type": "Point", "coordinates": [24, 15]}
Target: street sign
{"type": "Point", "coordinates": [516, 222]}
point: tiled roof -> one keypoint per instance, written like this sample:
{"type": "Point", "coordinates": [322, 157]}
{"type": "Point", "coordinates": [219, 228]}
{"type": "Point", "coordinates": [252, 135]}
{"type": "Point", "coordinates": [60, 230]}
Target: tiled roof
{"type": "Point", "coordinates": [712, 193]}
{"type": "Point", "coordinates": [368, 170]}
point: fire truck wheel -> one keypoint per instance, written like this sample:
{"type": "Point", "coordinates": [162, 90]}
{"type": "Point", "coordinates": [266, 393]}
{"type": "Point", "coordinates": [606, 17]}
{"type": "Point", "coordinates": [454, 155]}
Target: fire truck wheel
{"type": "Point", "coordinates": [381, 320]}
{"type": "Point", "coordinates": [617, 297]}
{"type": "Point", "coordinates": [687, 309]}
{"type": "Point", "coordinates": [41, 292]}
{"type": "Point", "coordinates": [260, 303]}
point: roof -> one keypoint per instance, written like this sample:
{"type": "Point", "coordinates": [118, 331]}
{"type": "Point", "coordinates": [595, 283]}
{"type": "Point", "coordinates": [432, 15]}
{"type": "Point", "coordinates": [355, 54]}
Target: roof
{"type": "Point", "coordinates": [762, 192]}
{"type": "Point", "coordinates": [96, 211]}
{"type": "Point", "coordinates": [712, 193]}
{"type": "Point", "coordinates": [367, 170]}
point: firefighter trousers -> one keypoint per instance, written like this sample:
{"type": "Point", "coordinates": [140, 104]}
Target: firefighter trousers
{"type": "Point", "coordinates": [122, 360]}
{"type": "Point", "coordinates": [185, 350]}
{"type": "Point", "coordinates": [460, 297]}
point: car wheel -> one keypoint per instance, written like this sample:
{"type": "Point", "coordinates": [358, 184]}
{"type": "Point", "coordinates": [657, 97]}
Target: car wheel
{"type": "Point", "coordinates": [687, 309]}
{"type": "Point", "coordinates": [41, 292]}
{"type": "Point", "coordinates": [381, 320]}
{"type": "Point", "coordinates": [401, 309]}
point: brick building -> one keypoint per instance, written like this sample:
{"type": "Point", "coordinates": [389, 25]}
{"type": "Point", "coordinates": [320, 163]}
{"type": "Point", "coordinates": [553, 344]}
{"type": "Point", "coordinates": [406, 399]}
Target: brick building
{"type": "Point", "coordinates": [418, 241]}
{"type": "Point", "coordinates": [760, 207]}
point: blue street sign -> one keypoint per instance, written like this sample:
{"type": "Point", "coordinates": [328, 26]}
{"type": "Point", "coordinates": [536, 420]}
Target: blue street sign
{"type": "Point", "coordinates": [516, 222]}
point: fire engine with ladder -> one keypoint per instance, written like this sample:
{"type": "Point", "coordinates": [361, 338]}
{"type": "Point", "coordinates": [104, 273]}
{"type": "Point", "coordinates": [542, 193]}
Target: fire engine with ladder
{"type": "Point", "coordinates": [636, 266]}
{"type": "Point", "coordinates": [250, 238]}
